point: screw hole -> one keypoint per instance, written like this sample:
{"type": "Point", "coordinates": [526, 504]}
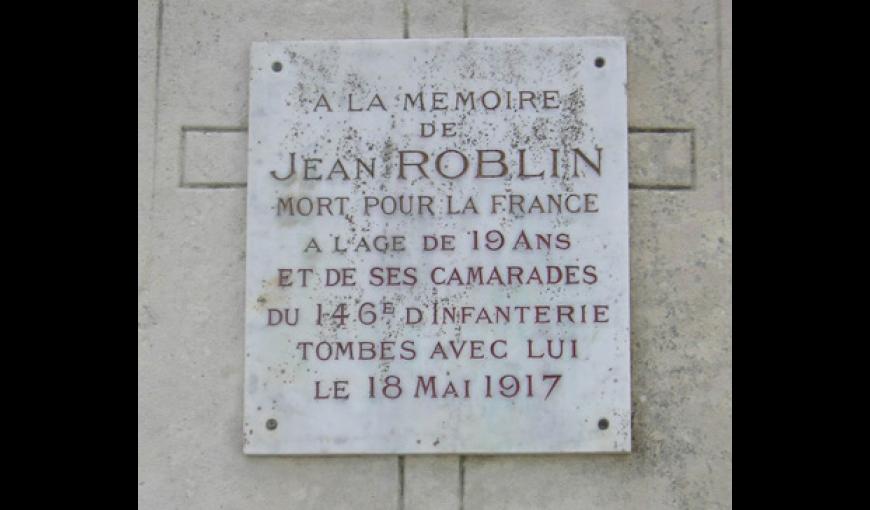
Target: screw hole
{"type": "Point", "coordinates": [271, 424]}
{"type": "Point", "coordinates": [603, 424]}
{"type": "Point", "coordinates": [599, 62]}
{"type": "Point", "coordinates": [276, 66]}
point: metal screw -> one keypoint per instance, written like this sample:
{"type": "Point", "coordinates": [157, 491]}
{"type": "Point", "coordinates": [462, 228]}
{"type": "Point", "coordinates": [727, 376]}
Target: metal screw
{"type": "Point", "coordinates": [271, 424]}
{"type": "Point", "coordinates": [603, 424]}
{"type": "Point", "coordinates": [276, 66]}
{"type": "Point", "coordinates": [599, 62]}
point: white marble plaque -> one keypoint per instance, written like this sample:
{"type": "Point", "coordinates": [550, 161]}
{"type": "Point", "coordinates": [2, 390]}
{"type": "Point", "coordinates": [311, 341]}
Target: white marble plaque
{"type": "Point", "coordinates": [437, 247]}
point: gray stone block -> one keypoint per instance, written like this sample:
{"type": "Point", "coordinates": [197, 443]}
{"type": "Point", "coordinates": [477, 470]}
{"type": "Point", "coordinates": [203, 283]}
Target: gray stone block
{"type": "Point", "coordinates": [214, 157]}
{"type": "Point", "coordinates": [660, 159]}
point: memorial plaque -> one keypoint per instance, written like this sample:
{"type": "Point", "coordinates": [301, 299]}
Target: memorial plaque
{"type": "Point", "coordinates": [437, 247]}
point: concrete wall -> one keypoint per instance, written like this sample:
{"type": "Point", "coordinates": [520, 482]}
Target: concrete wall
{"type": "Point", "coordinates": [191, 215]}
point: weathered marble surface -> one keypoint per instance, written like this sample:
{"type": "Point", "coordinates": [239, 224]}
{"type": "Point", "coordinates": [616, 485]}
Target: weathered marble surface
{"type": "Point", "coordinates": [588, 113]}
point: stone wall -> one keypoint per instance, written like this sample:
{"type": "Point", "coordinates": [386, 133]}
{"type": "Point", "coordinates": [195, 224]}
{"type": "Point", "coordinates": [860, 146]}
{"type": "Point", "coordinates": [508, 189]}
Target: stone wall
{"type": "Point", "coordinates": [192, 96]}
